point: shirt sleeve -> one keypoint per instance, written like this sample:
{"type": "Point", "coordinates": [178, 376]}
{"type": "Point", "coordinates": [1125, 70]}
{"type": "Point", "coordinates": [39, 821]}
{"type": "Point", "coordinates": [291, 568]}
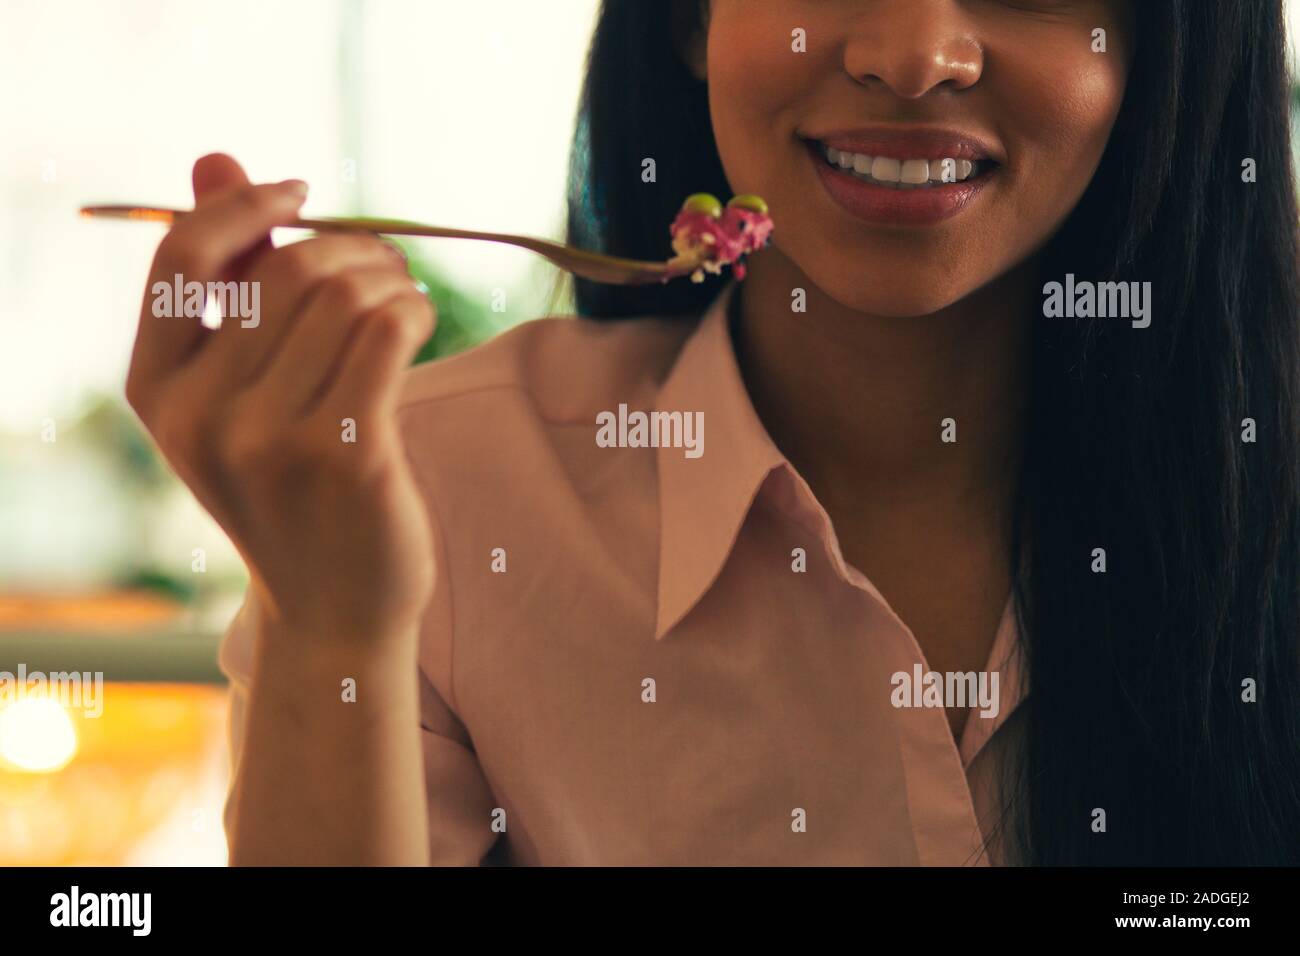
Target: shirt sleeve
{"type": "Point", "coordinates": [460, 802]}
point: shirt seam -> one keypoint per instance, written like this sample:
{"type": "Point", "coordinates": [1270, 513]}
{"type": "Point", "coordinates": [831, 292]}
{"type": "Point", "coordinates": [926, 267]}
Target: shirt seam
{"type": "Point", "coordinates": [562, 421]}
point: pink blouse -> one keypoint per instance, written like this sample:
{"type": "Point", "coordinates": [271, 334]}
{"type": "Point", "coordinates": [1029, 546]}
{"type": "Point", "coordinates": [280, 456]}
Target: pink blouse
{"type": "Point", "coordinates": [652, 654]}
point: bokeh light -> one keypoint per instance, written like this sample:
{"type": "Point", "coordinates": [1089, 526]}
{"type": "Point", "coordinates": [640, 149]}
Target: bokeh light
{"type": "Point", "coordinates": [36, 735]}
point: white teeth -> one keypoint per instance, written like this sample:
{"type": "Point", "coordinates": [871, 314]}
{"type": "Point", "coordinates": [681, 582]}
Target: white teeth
{"type": "Point", "coordinates": [901, 173]}
{"type": "Point", "coordinates": [915, 171]}
{"type": "Point", "coordinates": [886, 170]}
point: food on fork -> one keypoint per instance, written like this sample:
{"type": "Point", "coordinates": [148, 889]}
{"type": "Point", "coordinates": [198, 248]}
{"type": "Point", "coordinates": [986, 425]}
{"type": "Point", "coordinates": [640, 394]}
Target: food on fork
{"type": "Point", "coordinates": [709, 237]}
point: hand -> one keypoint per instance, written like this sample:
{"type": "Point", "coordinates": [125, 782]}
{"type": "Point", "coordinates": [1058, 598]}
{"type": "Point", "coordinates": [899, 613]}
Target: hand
{"type": "Point", "coordinates": [251, 416]}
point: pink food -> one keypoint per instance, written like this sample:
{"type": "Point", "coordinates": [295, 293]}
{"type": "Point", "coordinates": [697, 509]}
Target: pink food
{"type": "Point", "coordinates": [753, 230]}
{"type": "Point", "coordinates": [711, 241]}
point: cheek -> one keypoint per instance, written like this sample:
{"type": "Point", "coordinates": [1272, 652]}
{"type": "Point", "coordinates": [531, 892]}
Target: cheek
{"type": "Point", "coordinates": [1061, 105]}
{"type": "Point", "coordinates": [757, 87]}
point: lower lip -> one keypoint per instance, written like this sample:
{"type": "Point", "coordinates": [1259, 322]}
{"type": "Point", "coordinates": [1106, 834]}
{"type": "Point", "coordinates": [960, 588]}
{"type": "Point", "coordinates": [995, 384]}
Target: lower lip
{"type": "Point", "coordinates": [880, 204]}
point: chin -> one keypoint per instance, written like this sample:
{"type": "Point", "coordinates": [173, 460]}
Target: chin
{"type": "Point", "coordinates": [899, 296]}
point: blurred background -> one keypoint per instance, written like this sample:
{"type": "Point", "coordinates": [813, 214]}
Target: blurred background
{"type": "Point", "coordinates": [447, 112]}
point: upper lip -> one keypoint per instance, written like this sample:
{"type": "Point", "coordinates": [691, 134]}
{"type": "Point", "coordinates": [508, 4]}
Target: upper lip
{"type": "Point", "coordinates": [909, 143]}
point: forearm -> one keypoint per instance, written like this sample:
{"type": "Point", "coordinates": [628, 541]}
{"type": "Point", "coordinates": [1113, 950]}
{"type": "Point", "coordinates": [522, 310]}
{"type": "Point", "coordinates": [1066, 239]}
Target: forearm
{"type": "Point", "coordinates": [322, 781]}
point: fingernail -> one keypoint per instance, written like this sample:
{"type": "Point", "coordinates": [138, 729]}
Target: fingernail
{"type": "Point", "coordinates": [295, 187]}
{"type": "Point", "coordinates": [424, 289]}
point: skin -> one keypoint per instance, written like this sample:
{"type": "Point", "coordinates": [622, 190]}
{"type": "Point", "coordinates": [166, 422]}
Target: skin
{"type": "Point", "coordinates": [908, 325]}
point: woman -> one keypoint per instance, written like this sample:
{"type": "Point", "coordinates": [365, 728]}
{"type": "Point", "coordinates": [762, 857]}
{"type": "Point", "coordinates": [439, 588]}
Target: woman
{"type": "Point", "coordinates": [967, 569]}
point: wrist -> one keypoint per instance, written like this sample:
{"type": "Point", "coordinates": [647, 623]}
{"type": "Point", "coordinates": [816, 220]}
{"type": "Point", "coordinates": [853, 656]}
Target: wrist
{"type": "Point", "coordinates": [336, 643]}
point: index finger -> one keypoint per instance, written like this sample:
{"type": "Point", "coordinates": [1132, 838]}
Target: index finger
{"type": "Point", "coordinates": [201, 248]}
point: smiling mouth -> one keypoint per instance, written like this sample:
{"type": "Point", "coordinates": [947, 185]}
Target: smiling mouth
{"type": "Point", "coordinates": [902, 173]}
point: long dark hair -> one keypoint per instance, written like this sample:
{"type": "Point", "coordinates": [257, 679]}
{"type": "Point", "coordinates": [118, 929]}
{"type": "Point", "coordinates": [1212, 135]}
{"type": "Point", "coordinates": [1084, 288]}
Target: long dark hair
{"type": "Point", "coordinates": [1140, 677]}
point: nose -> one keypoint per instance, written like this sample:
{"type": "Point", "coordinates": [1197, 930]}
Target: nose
{"type": "Point", "coordinates": [913, 47]}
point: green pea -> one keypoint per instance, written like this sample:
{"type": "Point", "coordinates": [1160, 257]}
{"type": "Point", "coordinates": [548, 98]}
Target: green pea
{"type": "Point", "coordinates": [705, 203]}
{"type": "Point", "coordinates": [749, 201]}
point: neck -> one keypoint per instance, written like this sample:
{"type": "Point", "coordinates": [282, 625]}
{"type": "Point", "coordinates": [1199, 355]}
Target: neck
{"type": "Point", "coordinates": [857, 401]}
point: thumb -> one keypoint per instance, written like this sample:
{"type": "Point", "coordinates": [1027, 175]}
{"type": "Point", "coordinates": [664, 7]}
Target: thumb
{"type": "Point", "coordinates": [215, 174]}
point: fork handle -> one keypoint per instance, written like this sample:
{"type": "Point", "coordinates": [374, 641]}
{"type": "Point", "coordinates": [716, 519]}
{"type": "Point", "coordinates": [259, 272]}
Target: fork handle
{"type": "Point", "coordinates": [580, 261]}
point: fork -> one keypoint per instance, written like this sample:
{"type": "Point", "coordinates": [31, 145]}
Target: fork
{"type": "Point", "coordinates": [595, 266]}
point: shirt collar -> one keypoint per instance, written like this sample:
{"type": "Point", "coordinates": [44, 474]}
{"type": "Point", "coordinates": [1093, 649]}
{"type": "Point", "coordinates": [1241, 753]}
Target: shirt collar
{"type": "Point", "coordinates": [704, 500]}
